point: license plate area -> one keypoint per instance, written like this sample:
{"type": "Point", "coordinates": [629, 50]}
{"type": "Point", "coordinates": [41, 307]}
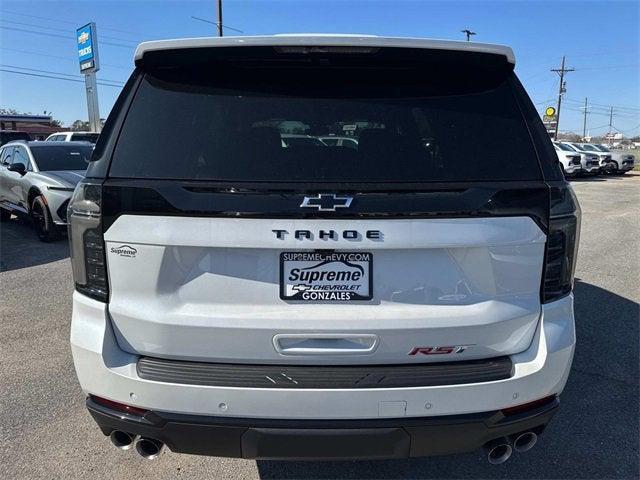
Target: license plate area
{"type": "Point", "coordinates": [326, 276]}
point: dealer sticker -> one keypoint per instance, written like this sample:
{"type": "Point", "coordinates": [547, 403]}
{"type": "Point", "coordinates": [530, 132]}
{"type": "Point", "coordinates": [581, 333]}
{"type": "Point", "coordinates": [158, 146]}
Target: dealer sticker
{"type": "Point", "coordinates": [326, 276]}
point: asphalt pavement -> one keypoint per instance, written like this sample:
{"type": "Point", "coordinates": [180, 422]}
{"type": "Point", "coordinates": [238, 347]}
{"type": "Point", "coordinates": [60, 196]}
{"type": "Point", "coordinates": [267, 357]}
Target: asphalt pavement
{"type": "Point", "coordinates": [45, 431]}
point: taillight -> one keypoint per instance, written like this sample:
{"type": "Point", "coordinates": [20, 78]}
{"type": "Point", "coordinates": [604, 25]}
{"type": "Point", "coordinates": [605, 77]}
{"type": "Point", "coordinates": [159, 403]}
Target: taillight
{"type": "Point", "coordinates": [86, 241]}
{"type": "Point", "coordinates": [562, 243]}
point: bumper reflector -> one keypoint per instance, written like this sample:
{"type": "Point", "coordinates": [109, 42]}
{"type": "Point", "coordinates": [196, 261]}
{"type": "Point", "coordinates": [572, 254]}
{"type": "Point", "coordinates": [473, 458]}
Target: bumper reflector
{"type": "Point", "coordinates": [121, 407]}
{"type": "Point", "coordinates": [528, 406]}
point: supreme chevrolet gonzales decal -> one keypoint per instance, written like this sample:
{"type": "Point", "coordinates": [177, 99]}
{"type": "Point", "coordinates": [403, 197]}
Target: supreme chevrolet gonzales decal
{"type": "Point", "coordinates": [326, 276]}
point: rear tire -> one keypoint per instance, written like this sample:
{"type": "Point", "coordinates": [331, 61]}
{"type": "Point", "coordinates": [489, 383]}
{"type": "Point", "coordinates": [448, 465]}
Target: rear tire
{"type": "Point", "coordinates": [42, 221]}
{"type": "Point", "coordinates": [5, 215]}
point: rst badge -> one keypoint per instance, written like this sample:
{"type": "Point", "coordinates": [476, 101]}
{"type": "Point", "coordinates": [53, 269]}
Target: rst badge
{"type": "Point", "coordinates": [448, 350]}
{"type": "Point", "coordinates": [326, 276]}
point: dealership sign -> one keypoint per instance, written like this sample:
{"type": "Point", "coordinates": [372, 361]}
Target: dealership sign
{"type": "Point", "coordinates": [550, 119]}
{"type": "Point", "coordinates": [87, 41]}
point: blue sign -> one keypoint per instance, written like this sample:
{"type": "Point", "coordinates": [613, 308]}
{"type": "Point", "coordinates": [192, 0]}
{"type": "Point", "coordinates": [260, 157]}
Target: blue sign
{"type": "Point", "coordinates": [87, 48]}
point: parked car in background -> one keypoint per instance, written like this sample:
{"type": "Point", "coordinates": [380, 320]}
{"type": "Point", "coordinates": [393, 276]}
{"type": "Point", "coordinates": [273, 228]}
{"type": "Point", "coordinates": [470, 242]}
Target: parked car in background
{"type": "Point", "coordinates": [606, 162]}
{"type": "Point", "coordinates": [334, 141]}
{"type": "Point", "coordinates": [569, 160]}
{"type": "Point", "coordinates": [7, 136]}
{"type": "Point", "coordinates": [73, 137]}
{"type": "Point", "coordinates": [590, 162]}
{"type": "Point", "coordinates": [37, 180]}
{"type": "Point", "coordinates": [295, 140]}
{"type": "Point", "coordinates": [622, 162]}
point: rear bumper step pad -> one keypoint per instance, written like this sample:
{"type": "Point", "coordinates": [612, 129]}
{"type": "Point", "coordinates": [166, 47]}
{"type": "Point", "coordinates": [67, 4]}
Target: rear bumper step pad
{"type": "Point", "coordinates": [324, 377]}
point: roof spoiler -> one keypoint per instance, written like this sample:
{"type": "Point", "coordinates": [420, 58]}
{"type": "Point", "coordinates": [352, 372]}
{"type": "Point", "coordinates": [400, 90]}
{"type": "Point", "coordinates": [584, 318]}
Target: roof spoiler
{"type": "Point", "coordinates": [357, 43]}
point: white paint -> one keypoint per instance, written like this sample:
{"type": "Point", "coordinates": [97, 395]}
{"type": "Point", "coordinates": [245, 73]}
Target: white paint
{"type": "Point", "coordinates": [322, 40]}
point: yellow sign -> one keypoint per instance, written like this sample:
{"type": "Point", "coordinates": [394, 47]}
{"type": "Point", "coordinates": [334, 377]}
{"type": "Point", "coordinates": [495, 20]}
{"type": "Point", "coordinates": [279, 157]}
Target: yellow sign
{"type": "Point", "coordinates": [550, 111]}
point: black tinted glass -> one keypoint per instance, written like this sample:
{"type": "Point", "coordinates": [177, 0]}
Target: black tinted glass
{"type": "Point", "coordinates": [74, 157]}
{"type": "Point", "coordinates": [267, 125]}
{"type": "Point", "coordinates": [85, 137]}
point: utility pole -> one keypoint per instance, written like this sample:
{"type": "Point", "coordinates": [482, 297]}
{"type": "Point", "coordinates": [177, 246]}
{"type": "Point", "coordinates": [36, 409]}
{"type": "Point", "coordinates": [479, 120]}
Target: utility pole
{"type": "Point", "coordinates": [560, 71]}
{"type": "Point", "coordinates": [468, 33]}
{"type": "Point", "coordinates": [610, 126]}
{"type": "Point", "coordinates": [219, 18]}
{"type": "Point", "coordinates": [584, 122]}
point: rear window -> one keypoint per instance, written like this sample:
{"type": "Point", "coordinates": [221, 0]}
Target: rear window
{"type": "Point", "coordinates": [85, 137]}
{"type": "Point", "coordinates": [61, 157]}
{"type": "Point", "coordinates": [269, 124]}
{"type": "Point", "coordinates": [563, 147]}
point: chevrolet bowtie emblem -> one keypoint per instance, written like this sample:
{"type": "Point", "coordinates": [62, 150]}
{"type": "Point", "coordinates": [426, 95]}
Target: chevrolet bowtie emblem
{"type": "Point", "coordinates": [326, 202]}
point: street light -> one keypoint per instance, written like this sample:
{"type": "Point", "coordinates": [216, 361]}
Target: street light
{"type": "Point", "coordinates": [468, 33]}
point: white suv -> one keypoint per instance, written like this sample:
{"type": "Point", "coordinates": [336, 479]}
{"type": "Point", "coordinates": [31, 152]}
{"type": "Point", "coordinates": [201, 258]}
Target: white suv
{"type": "Point", "coordinates": [622, 162]}
{"type": "Point", "coordinates": [91, 137]}
{"type": "Point", "coordinates": [570, 160]}
{"type": "Point", "coordinates": [605, 159]}
{"type": "Point", "coordinates": [241, 298]}
{"type": "Point", "coordinates": [590, 162]}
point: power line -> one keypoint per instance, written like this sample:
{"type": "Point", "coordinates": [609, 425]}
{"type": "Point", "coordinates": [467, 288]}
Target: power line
{"type": "Point", "coordinates": [216, 23]}
{"type": "Point", "coordinates": [55, 78]}
{"type": "Point", "coordinates": [56, 73]}
{"type": "Point", "coordinates": [605, 105]}
{"type": "Point", "coordinates": [607, 67]}
{"type": "Point", "coordinates": [13, 22]}
{"type": "Point", "coordinates": [60, 57]}
{"type": "Point", "coordinates": [66, 37]}
{"type": "Point", "coordinates": [62, 36]}
{"type": "Point", "coordinates": [68, 22]}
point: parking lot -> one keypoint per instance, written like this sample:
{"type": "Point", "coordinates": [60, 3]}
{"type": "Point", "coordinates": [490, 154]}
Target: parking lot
{"type": "Point", "coordinates": [47, 433]}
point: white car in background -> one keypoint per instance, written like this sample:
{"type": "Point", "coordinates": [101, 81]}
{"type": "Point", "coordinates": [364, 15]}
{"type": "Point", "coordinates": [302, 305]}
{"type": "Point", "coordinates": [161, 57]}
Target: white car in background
{"type": "Point", "coordinates": [589, 162]}
{"type": "Point", "coordinates": [569, 159]}
{"type": "Point", "coordinates": [623, 162]}
{"type": "Point", "coordinates": [606, 162]}
{"type": "Point", "coordinates": [300, 140]}
{"type": "Point", "coordinates": [91, 137]}
{"type": "Point", "coordinates": [335, 141]}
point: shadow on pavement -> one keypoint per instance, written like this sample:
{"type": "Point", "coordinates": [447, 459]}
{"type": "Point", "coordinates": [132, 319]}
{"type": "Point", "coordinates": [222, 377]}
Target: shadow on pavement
{"type": "Point", "coordinates": [20, 247]}
{"type": "Point", "coordinates": [594, 435]}
{"type": "Point", "coordinates": [600, 178]}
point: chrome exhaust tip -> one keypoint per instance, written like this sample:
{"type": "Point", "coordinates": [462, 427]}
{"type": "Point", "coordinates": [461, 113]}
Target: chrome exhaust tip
{"type": "Point", "coordinates": [122, 440]}
{"type": "Point", "coordinates": [525, 442]}
{"type": "Point", "coordinates": [498, 451]}
{"type": "Point", "coordinates": [148, 448]}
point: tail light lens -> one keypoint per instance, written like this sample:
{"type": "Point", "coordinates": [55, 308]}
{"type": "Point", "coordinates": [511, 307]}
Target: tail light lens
{"type": "Point", "coordinates": [562, 243]}
{"type": "Point", "coordinates": [86, 241]}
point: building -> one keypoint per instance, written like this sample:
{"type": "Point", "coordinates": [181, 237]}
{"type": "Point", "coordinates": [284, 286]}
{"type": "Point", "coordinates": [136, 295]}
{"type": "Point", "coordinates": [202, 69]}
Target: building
{"type": "Point", "coordinates": [38, 126]}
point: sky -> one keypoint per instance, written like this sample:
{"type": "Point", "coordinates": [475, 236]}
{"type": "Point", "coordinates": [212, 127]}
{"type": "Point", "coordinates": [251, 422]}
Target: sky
{"type": "Point", "coordinates": [599, 38]}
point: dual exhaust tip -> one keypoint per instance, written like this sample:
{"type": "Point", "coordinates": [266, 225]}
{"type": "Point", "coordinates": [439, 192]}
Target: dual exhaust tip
{"type": "Point", "coordinates": [148, 448]}
{"type": "Point", "coordinates": [500, 449]}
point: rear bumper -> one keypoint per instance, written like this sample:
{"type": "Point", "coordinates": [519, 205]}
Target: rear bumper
{"type": "Point", "coordinates": [105, 370]}
{"type": "Point", "coordinates": [323, 440]}
{"type": "Point", "coordinates": [572, 169]}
